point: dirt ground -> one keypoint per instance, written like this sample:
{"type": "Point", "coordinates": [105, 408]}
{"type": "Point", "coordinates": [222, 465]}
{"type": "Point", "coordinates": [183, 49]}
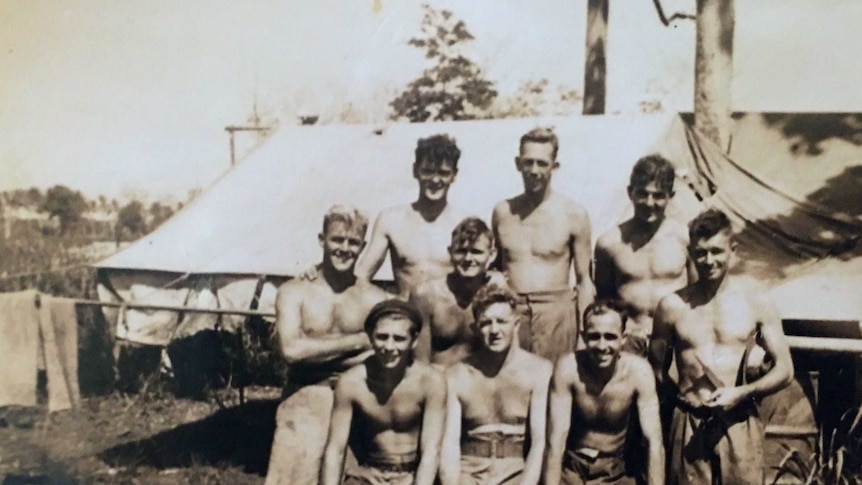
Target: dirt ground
{"type": "Point", "coordinates": [149, 438]}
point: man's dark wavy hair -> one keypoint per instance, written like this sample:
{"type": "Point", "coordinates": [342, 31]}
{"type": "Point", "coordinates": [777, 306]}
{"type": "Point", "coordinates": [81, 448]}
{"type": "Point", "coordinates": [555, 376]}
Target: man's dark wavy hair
{"type": "Point", "coordinates": [653, 168]}
{"type": "Point", "coordinates": [438, 149]}
{"type": "Point", "coordinates": [708, 224]}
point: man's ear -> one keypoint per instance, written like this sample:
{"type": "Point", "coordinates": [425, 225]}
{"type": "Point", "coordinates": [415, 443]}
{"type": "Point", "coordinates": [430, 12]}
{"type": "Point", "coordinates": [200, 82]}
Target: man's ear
{"type": "Point", "coordinates": [492, 259]}
{"type": "Point", "coordinates": [629, 190]}
{"type": "Point", "coordinates": [321, 238]}
{"type": "Point", "coordinates": [556, 165]}
{"type": "Point", "coordinates": [362, 246]}
{"type": "Point", "coordinates": [416, 170]}
{"type": "Point", "coordinates": [518, 163]}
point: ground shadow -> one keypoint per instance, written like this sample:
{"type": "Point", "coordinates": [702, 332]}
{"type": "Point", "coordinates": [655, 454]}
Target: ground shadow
{"type": "Point", "coordinates": [238, 436]}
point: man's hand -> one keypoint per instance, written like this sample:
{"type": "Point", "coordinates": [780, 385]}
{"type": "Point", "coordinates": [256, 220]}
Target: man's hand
{"type": "Point", "coordinates": [726, 398]}
{"type": "Point", "coordinates": [309, 274]}
{"type": "Point", "coordinates": [496, 278]}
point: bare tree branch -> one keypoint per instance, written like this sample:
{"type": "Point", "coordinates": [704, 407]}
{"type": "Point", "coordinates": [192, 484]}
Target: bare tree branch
{"type": "Point", "coordinates": [667, 20]}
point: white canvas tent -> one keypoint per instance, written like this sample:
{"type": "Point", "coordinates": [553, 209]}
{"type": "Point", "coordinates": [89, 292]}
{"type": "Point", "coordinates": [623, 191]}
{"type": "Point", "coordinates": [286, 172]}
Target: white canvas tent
{"type": "Point", "coordinates": [263, 217]}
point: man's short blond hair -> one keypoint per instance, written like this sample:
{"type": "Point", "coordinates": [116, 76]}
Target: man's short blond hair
{"type": "Point", "coordinates": [541, 135]}
{"type": "Point", "coordinates": [348, 215]}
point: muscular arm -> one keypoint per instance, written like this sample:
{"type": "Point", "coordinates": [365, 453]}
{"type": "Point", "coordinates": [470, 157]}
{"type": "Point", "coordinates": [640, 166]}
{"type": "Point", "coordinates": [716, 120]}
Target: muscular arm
{"type": "Point", "coordinates": [605, 285]}
{"type": "Point", "coordinates": [375, 253]}
{"type": "Point", "coordinates": [423, 341]}
{"type": "Point", "coordinates": [775, 344]}
{"type": "Point", "coordinates": [433, 421]}
{"type": "Point", "coordinates": [339, 431]}
{"type": "Point", "coordinates": [450, 454]}
{"type": "Point", "coordinates": [582, 252]}
{"type": "Point", "coordinates": [661, 347]}
{"type": "Point", "coordinates": [495, 222]}
{"type": "Point", "coordinates": [298, 347]}
{"type": "Point", "coordinates": [648, 411]}
{"type": "Point", "coordinates": [538, 413]}
{"type": "Point", "coordinates": [560, 416]}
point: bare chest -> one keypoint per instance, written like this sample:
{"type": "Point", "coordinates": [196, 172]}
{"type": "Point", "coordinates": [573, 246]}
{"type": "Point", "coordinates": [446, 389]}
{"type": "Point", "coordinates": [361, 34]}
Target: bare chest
{"type": "Point", "coordinates": [725, 321]}
{"type": "Point", "coordinates": [401, 412]}
{"type": "Point", "coordinates": [541, 234]}
{"type": "Point", "coordinates": [496, 400]}
{"type": "Point", "coordinates": [329, 313]}
{"type": "Point", "coordinates": [609, 405]}
{"type": "Point", "coordinates": [663, 259]}
{"type": "Point", "coordinates": [448, 319]}
{"type": "Point", "coordinates": [418, 242]}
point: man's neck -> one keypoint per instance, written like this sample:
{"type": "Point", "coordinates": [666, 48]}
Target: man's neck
{"type": "Point", "coordinates": [640, 232]}
{"type": "Point", "coordinates": [490, 363]}
{"type": "Point", "coordinates": [534, 199]}
{"type": "Point", "coordinates": [465, 289]}
{"type": "Point", "coordinates": [383, 381]}
{"type": "Point", "coordinates": [337, 280]}
{"type": "Point", "coordinates": [430, 210]}
{"type": "Point", "coordinates": [709, 288]}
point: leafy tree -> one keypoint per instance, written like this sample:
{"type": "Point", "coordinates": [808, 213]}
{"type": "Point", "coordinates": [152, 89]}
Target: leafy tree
{"type": "Point", "coordinates": [159, 214]}
{"type": "Point", "coordinates": [536, 98]}
{"type": "Point", "coordinates": [65, 204]}
{"type": "Point", "coordinates": [131, 221]}
{"type": "Point", "coordinates": [454, 88]}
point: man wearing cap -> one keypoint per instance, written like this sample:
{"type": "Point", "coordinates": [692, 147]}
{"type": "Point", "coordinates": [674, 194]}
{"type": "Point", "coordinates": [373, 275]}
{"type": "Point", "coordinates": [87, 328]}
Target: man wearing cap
{"type": "Point", "coordinates": [542, 237]}
{"type": "Point", "coordinates": [495, 395]}
{"type": "Point", "coordinates": [320, 332]}
{"type": "Point", "coordinates": [390, 410]}
{"type": "Point", "coordinates": [445, 303]}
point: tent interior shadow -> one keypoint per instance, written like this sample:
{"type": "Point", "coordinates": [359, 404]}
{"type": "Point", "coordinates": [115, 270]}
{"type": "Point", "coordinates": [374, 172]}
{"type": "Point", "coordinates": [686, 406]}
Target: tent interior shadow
{"type": "Point", "coordinates": [237, 436]}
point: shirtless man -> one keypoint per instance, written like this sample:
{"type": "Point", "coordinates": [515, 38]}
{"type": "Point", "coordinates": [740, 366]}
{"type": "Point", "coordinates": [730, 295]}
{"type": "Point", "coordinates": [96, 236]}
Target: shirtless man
{"type": "Point", "coordinates": [319, 326]}
{"type": "Point", "coordinates": [541, 236]}
{"type": "Point", "coordinates": [592, 394]}
{"type": "Point", "coordinates": [444, 303]}
{"type": "Point", "coordinates": [416, 235]}
{"type": "Point", "coordinates": [711, 326]}
{"type": "Point", "coordinates": [493, 395]}
{"type": "Point", "coordinates": [645, 257]}
{"type": "Point", "coordinates": [390, 410]}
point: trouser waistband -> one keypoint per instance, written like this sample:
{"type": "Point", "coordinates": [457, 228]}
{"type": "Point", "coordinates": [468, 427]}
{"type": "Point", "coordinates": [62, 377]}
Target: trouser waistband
{"type": "Point", "coordinates": [390, 462]}
{"type": "Point", "coordinates": [493, 445]}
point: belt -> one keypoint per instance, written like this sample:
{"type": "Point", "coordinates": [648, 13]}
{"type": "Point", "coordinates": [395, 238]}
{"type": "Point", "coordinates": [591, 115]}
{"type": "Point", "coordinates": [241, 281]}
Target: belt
{"type": "Point", "coordinates": [398, 463]}
{"type": "Point", "coordinates": [501, 448]}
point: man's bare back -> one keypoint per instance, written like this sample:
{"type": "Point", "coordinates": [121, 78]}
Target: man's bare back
{"type": "Point", "coordinates": [448, 321]}
{"type": "Point", "coordinates": [538, 244]}
{"type": "Point", "coordinates": [640, 272]}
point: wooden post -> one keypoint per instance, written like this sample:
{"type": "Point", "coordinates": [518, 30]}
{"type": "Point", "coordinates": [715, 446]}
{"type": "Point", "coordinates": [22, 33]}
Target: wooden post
{"type": "Point", "coordinates": [595, 63]}
{"type": "Point", "coordinates": [713, 68]}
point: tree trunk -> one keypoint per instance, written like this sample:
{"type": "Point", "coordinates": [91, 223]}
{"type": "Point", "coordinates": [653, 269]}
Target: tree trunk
{"type": "Point", "coordinates": [713, 68]}
{"type": "Point", "coordinates": [595, 65]}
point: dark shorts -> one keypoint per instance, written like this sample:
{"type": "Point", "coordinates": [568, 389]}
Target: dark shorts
{"type": "Point", "coordinates": [549, 322]}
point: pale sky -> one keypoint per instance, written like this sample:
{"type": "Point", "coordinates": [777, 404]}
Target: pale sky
{"type": "Point", "coordinates": [132, 97]}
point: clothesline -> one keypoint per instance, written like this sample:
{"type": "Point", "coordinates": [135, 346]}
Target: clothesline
{"type": "Point", "coordinates": [815, 344]}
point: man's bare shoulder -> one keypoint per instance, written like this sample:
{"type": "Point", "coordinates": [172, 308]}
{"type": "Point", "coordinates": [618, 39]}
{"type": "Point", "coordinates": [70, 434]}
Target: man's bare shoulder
{"type": "Point", "coordinates": [533, 363]}
{"type": "Point", "coordinates": [611, 238]}
{"type": "Point", "coordinates": [675, 229]}
{"type": "Point", "coordinates": [392, 216]}
{"type": "Point", "coordinates": [566, 368]}
{"type": "Point", "coordinates": [503, 208]}
{"type": "Point", "coordinates": [429, 378]}
{"type": "Point", "coordinates": [298, 287]}
{"type": "Point", "coordinates": [351, 381]}
{"type": "Point", "coordinates": [637, 368]}
{"type": "Point", "coordinates": [673, 301]}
